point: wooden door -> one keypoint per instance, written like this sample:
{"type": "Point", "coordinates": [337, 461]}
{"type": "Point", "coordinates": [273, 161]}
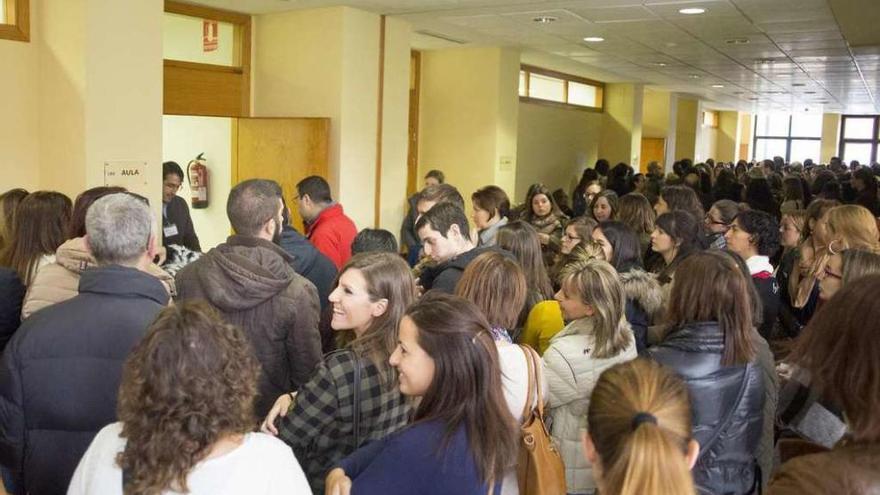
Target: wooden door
{"type": "Point", "coordinates": [284, 150]}
{"type": "Point", "coordinates": [413, 181]}
{"type": "Point", "coordinates": [653, 150]}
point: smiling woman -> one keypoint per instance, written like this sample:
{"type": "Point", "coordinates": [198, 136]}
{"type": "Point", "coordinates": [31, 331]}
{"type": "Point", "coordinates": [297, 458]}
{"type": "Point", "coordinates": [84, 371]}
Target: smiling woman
{"type": "Point", "coordinates": [15, 20]}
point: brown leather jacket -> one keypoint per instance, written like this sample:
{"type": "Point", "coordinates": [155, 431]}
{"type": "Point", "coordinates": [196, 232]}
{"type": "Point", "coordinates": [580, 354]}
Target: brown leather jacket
{"type": "Point", "coordinates": [848, 469]}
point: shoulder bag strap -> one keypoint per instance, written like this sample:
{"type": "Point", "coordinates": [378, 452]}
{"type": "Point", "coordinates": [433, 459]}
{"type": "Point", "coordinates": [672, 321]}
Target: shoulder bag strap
{"type": "Point", "coordinates": [726, 421]}
{"type": "Point", "coordinates": [527, 409]}
{"type": "Point", "coordinates": [356, 401]}
{"type": "Point", "coordinates": [538, 381]}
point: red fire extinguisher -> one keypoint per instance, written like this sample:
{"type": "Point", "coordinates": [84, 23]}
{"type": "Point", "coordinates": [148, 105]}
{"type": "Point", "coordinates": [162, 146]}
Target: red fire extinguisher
{"type": "Point", "coordinates": [197, 173]}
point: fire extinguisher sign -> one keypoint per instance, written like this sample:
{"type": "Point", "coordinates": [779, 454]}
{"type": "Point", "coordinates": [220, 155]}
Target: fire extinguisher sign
{"type": "Point", "coordinates": [210, 35]}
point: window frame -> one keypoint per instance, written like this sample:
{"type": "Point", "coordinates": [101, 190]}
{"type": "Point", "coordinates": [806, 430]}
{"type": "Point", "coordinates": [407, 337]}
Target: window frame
{"type": "Point", "coordinates": [788, 139]}
{"type": "Point", "coordinates": [20, 27]}
{"type": "Point", "coordinates": [566, 79]}
{"type": "Point", "coordinates": [874, 142]}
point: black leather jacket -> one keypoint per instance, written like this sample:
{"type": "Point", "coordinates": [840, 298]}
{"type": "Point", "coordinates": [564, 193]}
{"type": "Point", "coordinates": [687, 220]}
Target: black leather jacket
{"type": "Point", "coordinates": [719, 394]}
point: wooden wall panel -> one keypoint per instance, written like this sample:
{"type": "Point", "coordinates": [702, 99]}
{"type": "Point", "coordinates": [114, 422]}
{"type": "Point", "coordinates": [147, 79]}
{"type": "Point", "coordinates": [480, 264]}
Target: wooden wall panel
{"type": "Point", "coordinates": [189, 89]}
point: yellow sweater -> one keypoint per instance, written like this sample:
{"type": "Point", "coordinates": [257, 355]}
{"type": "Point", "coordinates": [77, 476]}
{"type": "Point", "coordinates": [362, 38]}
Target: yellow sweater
{"type": "Point", "coordinates": [544, 321]}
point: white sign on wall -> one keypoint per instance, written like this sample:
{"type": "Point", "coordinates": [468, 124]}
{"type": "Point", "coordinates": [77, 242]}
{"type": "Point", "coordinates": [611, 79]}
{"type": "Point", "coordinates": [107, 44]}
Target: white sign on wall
{"type": "Point", "coordinates": [130, 174]}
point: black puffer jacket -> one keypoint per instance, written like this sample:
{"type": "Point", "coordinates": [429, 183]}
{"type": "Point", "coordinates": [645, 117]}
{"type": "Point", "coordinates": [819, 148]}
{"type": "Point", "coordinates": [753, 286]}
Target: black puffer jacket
{"type": "Point", "coordinates": [309, 262]}
{"type": "Point", "coordinates": [644, 300]}
{"type": "Point", "coordinates": [11, 295]}
{"type": "Point", "coordinates": [61, 372]}
{"type": "Point", "coordinates": [444, 276]}
{"type": "Point", "coordinates": [253, 285]}
{"type": "Point", "coordinates": [727, 452]}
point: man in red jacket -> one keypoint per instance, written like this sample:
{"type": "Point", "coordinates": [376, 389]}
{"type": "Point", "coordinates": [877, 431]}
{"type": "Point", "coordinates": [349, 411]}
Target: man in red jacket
{"type": "Point", "coordinates": [328, 228]}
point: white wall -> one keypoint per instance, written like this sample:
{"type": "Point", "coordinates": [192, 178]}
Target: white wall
{"type": "Point", "coordinates": [182, 40]}
{"type": "Point", "coordinates": [183, 138]}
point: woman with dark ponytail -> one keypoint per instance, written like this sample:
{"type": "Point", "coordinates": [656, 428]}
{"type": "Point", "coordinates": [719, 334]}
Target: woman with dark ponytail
{"type": "Point", "coordinates": [639, 437]}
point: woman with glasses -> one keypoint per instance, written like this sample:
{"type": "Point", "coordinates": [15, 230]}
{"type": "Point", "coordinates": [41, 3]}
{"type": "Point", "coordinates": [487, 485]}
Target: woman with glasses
{"type": "Point", "coordinates": [717, 222]}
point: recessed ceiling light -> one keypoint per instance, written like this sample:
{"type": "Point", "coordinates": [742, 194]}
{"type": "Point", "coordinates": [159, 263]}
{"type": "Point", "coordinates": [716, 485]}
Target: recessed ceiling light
{"type": "Point", "coordinates": [660, 64]}
{"type": "Point", "coordinates": [798, 85]}
{"type": "Point", "coordinates": [737, 41]}
{"type": "Point", "coordinates": [717, 85]}
{"type": "Point", "coordinates": [694, 76]}
{"type": "Point", "coordinates": [754, 98]}
{"type": "Point", "coordinates": [692, 11]}
{"type": "Point", "coordinates": [809, 92]}
{"type": "Point", "coordinates": [764, 61]}
{"type": "Point", "coordinates": [545, 19]}
{"type": "Point", "coordinates": [594, 39]}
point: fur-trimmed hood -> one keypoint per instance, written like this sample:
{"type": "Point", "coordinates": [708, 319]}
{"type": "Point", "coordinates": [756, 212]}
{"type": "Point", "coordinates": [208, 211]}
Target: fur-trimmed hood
{"type": "Point", "coordinates": [642, 288]}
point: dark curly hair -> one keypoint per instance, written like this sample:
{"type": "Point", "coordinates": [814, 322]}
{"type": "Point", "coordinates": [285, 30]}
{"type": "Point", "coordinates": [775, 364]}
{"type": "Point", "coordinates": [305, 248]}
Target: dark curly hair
{"type": "Point", "coordinates": [764, 229]}
{"type": "Point", "coordinates": [189, 382]}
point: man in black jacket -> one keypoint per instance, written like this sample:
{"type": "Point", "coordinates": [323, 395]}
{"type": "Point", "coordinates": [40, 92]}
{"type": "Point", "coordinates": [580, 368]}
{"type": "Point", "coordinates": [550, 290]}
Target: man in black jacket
{"type": "Point", "coordinates": [445, 235]}
{"type": "Point", "coordinates": [177, 225]}
{"type": "Point", "coordinates": [60, 373]}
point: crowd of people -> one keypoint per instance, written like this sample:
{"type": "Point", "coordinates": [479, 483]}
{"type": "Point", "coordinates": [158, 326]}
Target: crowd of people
{"type": "Point", "coordinates": [707, 331]}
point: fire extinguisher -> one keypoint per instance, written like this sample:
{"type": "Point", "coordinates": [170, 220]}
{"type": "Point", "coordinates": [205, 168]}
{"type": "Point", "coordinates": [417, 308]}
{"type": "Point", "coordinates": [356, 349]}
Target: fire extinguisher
{"type": "Point", "coordinates": [197, 173]}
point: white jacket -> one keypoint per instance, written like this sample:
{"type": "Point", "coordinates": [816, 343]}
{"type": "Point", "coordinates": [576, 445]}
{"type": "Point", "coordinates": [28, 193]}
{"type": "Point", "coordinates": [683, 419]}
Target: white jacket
{"type": "Point", "coordinates": [572, 373]}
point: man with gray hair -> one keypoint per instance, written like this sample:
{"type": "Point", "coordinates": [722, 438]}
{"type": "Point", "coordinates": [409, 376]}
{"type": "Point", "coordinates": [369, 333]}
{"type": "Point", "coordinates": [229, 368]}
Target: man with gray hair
{"type": "Point", "coordinates": [60, 373]}
{"type": "Point", "coordinates": [251, 281]}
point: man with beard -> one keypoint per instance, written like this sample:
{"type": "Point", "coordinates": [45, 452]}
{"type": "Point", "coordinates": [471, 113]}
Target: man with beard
{"type": "Point", "coordinates": [250, 280]}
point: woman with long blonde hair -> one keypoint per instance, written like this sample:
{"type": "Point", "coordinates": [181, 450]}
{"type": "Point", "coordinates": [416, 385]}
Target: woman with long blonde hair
{"type": "Point", "coordinates": [639, 437]}
{"type": "Point", "coordinates": [598, 336]}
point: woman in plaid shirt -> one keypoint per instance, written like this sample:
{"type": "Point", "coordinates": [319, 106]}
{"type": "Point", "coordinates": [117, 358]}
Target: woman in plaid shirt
{"type": "Point", "coordinates": [373, 292]}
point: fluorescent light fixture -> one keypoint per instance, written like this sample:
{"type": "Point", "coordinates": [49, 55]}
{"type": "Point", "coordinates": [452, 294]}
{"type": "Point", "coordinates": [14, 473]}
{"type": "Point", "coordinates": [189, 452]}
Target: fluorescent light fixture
{"type": "Point", "coordinates": [594, 39]}
{"type": "Point", "coordinates": [545, 19]}
{"type": "Point", "coordinates": [718, 86]}
{"type": "Point", "coordinates": [694, 76]}
{"type": "Point", "coordinates": [660, 64]}
{"type": "Point", "coordinates": [692, 11]}
{"type": "Point", "coordinates": [737, 41]}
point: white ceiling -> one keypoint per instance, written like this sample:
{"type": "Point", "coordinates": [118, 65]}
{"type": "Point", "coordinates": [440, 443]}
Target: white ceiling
{"type": "Point", "coordinates": [785, 55]}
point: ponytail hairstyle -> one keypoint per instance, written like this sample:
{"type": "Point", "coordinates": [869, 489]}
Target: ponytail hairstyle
{"type": "Point", "coordinates": [640, 425]}
{"type": "Point", "coordinates": [466, 390]}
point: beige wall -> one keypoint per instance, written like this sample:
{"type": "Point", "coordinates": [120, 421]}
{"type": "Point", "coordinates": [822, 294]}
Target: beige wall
{"type": "Point", "coordinates": [555, 145]}
{"type": "Point", "coordinates": [325, 63]}
{"type": "Point", "coordinates": [655, 114]}
{"type": "Point", "coordinates": [395, 124]}
{"type": "Point", "coordinates": [468, 113]}
{"type": "Point", "coordinates": [19, 127]}
{"type": "Point", "coordinates": [830, 136]}
{"type": "Point", "coordinates": [85, 91]}
{"type": "Point", "coordinates": [727, 138]}
{"type": "Point", "coordinates": [686, 128]}
{"type": "Point", "coordinates": [619, 124]}
{"type": "Point", "coordinates": [184, 137]}
{"type": "Point", "coordinates": [746, 126]}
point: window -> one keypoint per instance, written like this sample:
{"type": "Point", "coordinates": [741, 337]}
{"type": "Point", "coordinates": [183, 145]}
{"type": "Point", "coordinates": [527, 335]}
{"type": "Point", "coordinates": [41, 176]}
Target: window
{"type": "Point", "coordinates": [15, 20]}
{"type": "Point", "coordinates": [793, 137]}
{"type": "Point", "coordinates": [710, 119]}
{"type": "Point", "coordinates": [555, 88]}
{"type": "Point", "coordinates": [207, 56]}
{"type": "Point", "coordinates": [859, 137]}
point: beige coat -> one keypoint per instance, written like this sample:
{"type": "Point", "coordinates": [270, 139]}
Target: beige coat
{"type": "Point", "coordinates": [572, 372]}
{"type": "Point", "coordinates": [59, 281]}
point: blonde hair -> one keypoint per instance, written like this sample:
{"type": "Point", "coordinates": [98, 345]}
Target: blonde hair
{"type": "Point", "coordinates": [852, 227]}
{"type": "Point", "coordinates": [596, 283]}
{"type": "Point", "coordinates": [640, 423]}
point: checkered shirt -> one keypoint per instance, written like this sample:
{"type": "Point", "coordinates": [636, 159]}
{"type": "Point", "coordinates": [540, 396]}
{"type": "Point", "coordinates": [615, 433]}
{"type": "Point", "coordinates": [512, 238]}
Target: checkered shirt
{"type": "Point", "coordinates": [319, 427]}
